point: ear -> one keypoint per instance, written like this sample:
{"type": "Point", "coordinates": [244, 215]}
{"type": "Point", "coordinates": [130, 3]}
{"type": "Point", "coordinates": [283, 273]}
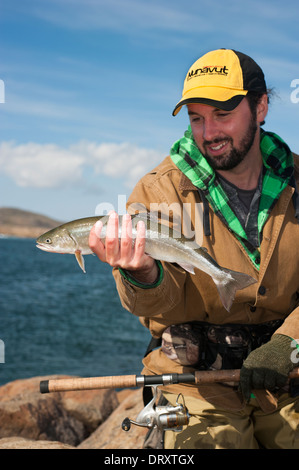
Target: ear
{"type": "Point", "coordinates": [262, 108]}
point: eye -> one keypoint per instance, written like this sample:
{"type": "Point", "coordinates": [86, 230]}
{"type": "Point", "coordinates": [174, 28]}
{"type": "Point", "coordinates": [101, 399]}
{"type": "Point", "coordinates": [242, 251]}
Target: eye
{"type": "Point", "coordinates": [48, 240]}
{"type": "Point", "coordinates": [195, 119]}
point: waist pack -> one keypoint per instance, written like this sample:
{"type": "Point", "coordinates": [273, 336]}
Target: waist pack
{"type": "Point", "coordinates": [207, 346]}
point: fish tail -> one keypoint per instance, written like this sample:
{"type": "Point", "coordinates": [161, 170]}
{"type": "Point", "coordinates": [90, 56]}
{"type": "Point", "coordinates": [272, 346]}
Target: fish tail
{"type": "Point", "coordinates": [227, 289]}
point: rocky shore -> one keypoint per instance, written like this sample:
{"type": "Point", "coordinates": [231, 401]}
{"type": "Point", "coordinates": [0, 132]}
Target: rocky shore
{"type": "Point", "coordinates": [89, 419]}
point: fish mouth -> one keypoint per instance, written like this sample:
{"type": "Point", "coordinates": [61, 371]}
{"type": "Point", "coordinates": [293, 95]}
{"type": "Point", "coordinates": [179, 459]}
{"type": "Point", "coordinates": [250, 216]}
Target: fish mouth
{"type": "Point", "coordinates": [45, 247]}
{"type": "Point", "coordinates": [52, 249]}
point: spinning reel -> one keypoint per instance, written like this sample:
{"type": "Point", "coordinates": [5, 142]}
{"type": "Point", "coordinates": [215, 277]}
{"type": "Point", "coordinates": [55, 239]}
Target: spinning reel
{"type": "Point", "coordinates": [167, 418]}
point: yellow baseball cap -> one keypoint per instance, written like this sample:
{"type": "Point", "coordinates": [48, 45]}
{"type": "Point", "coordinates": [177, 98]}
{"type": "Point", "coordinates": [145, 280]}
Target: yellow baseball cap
{"type": "Point", "coordinates": [221, 78]}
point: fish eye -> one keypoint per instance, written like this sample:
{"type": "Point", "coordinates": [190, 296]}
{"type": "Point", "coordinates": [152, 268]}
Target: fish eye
{"type": "Point", "coordinates": [48, 240]}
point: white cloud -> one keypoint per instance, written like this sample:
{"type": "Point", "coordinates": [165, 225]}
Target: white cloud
{"type": "Point", "coordinates": [40, 166]}
{"type": "Point", "coordinates": [51, 166]}
{"type": "Point", "coordinates": [124, 160]}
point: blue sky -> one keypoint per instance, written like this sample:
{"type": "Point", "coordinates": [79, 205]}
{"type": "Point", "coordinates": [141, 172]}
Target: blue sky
{"type": "Point", "coordinates": [90, 85]}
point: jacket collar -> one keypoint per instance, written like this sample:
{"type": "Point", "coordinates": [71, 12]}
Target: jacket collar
{"type": "Point", "coordinates": [186, 184]}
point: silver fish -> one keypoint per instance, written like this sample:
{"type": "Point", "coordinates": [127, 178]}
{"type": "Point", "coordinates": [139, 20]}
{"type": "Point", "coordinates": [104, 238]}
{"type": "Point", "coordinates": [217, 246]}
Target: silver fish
{"type": "Point", "coordinates": [162, 243]}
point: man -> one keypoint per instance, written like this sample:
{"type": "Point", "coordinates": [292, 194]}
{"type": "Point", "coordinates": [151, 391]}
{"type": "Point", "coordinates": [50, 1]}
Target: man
{"type": "Point", "coordinates": [246, 180]}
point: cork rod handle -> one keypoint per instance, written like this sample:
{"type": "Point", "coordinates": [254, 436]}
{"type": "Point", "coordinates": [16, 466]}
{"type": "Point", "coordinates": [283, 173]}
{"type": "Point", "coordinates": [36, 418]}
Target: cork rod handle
{"type": "Point", "coordinates": [87, 383]}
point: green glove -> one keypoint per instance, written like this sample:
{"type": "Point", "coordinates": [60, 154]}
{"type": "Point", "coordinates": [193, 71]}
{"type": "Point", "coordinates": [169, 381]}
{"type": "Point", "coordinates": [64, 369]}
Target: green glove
{"type": "Point", "coordinates": [268, 366]}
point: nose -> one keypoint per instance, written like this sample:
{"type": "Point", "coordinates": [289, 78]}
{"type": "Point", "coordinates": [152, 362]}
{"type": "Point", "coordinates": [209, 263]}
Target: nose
{"type": "Point", "coordinates": [210, 130]}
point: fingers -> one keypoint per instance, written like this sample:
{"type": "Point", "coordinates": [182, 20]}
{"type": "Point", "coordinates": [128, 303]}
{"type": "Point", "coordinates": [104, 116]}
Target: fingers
{"type": "Point", "coordinates": [246, 383]}
{"type": "Point", "coordinates": [95, 242]}
{"type": "Point", "coordinates": [119, 252]}
{"type": "Point", "coordinates": [260, 378]}
{"type": "Point", "coordinates": [140, 240]}
{"type": "Point", "coordinates": [104, 242]}
{"type": "Point", "coordinates": [126, 245]}
{"type": "Point", "coordinates": [111, 240]}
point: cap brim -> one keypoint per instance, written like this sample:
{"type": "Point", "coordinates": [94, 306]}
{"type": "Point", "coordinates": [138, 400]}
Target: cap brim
{"type": "Point", "coordinates": [224, 99]}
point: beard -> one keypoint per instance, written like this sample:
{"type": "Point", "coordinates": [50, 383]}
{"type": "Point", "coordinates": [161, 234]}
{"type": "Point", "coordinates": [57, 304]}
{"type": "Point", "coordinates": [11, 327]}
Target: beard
{"type": "Point", "coordinates": [236, 155]}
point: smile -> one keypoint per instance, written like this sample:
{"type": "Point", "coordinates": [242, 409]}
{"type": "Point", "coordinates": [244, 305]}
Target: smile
{"type": "Point", "coordinates": [217, 148]}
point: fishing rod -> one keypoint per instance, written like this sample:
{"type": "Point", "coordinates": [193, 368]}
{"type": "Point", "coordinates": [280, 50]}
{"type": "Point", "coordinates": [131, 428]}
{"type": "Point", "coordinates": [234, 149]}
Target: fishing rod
{"type": "Point", "coordinates": [127, 381]}
{"type": "Point", "coordinates": [164, 417]}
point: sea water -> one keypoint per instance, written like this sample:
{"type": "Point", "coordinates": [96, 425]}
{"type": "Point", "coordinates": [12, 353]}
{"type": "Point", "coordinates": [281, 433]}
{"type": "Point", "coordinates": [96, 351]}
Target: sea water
{"type": "Point", "coordinates": [57, 320]}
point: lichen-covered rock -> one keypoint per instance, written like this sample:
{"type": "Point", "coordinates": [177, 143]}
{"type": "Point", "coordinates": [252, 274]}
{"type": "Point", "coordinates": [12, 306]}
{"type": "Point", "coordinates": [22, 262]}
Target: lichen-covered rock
{"type": "Point", "coordinates": [110, 434]}
{"type": "Point", "coordinates": [67, 417]}
{"type": "Point", "coordinates": [22, 443]}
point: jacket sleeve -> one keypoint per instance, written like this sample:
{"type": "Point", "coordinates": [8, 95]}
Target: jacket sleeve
{"type": "Point", "coordinates": [290, 326]}
{"type": "Point", "coordinates": [150, 302]}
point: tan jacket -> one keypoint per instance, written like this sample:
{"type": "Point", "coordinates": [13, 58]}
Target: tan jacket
{"type": "Point", "coordinates": [182, 297]}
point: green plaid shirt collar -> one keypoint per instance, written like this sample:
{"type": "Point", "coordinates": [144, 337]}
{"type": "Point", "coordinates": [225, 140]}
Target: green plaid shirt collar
{"type": "Point", "coordinates": [278, 172]}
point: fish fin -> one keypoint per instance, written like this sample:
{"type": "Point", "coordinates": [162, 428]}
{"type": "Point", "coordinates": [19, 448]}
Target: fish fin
{"type": "Point", "coordinates": [187, 267]}
{"type": "Point", "coordinates": [80, 260]}
{"type": "Point", "coordinates": [227, 289]}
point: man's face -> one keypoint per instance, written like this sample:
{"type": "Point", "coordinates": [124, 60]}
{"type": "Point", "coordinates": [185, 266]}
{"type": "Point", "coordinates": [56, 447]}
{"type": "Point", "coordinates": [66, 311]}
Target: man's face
{"type": "Point", "coordinates": [224, 137]}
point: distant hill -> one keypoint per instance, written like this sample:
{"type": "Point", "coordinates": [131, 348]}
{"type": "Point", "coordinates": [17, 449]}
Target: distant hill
{"type": "Point", "coordinates": [20, 223]}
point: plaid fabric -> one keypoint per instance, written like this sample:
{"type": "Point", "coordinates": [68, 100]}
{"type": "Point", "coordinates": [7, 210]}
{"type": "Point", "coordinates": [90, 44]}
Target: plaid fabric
{"type": "Point", "coordinates": [278, 172]}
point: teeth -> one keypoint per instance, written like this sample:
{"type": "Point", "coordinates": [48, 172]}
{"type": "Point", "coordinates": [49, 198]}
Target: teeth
{"type": "Point", "coordinates": [218, 147]}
